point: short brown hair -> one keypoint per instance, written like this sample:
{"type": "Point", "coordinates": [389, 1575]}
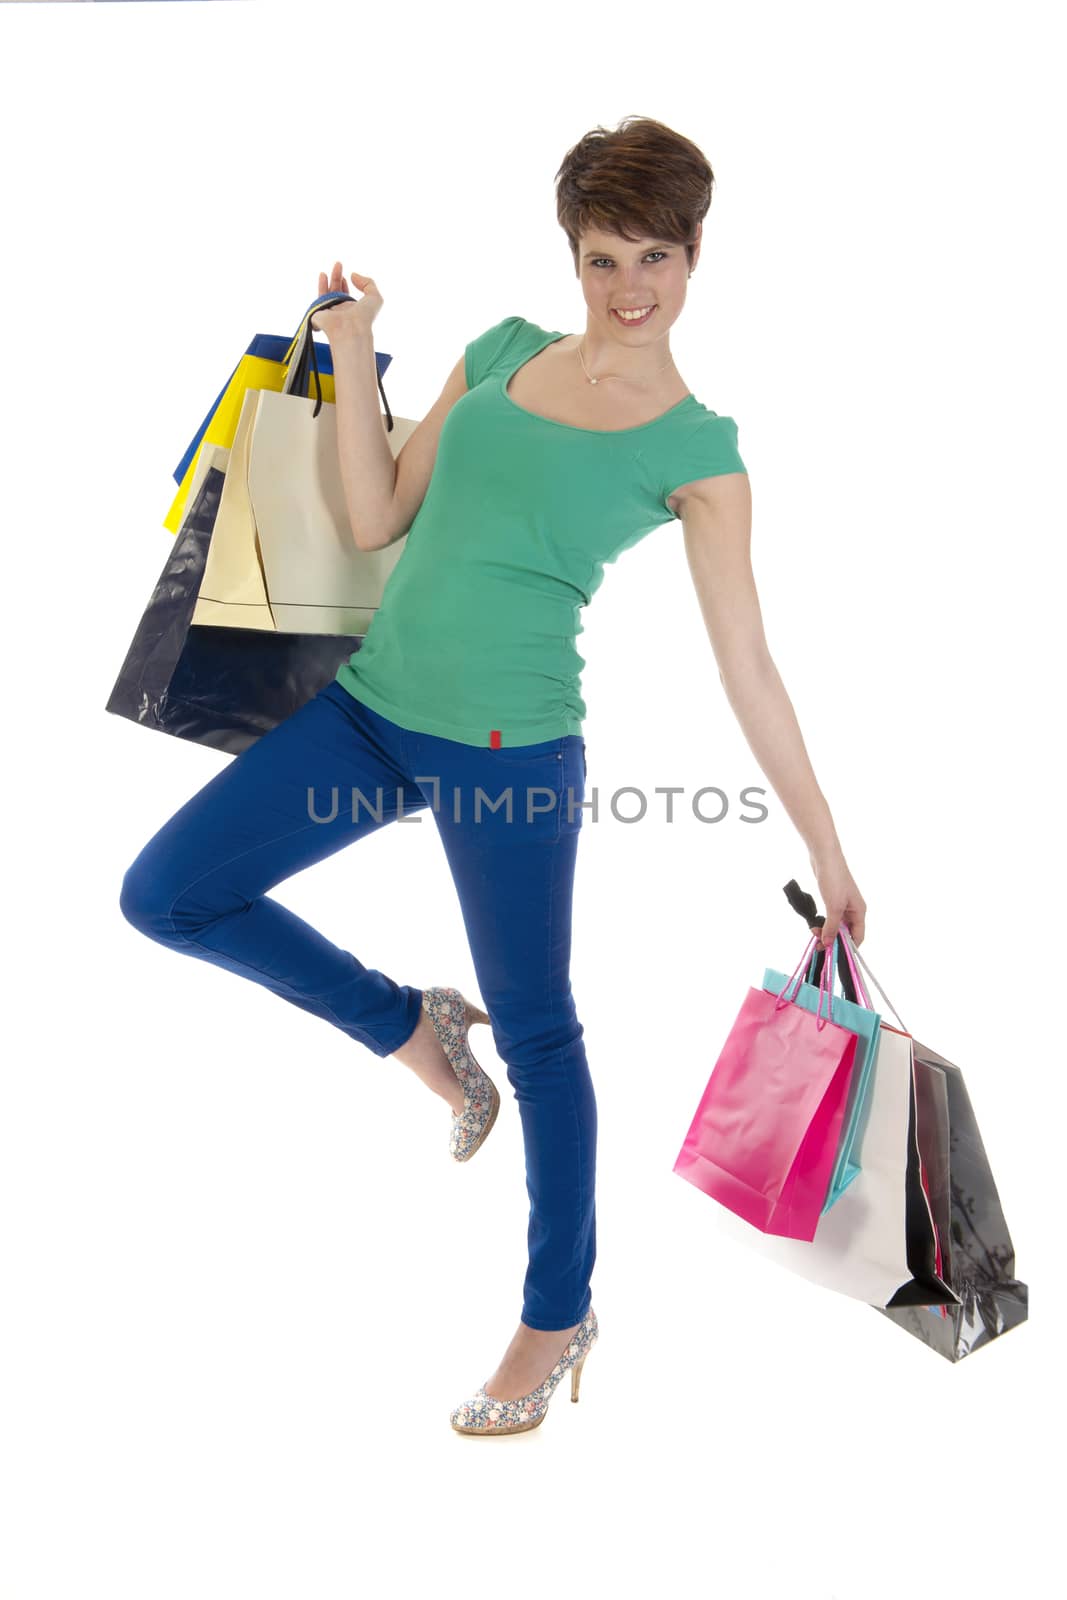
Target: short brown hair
{"type": "Point", "coordinates": [640, 181]}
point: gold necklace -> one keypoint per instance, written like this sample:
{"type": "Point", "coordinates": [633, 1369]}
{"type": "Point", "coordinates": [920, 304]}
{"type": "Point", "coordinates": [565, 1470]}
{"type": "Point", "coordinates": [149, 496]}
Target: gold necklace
{"type": "Point", "coordinates": [585, 369]}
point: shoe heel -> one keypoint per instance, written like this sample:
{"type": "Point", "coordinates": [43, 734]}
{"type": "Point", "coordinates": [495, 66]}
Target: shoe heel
{"type": "Point", "coordinates": [576, 1377]}
{"type": "Point", "coordinates": [475, 1014]}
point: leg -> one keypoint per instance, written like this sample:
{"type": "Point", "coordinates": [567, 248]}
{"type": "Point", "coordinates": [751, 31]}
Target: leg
{"type": "Point", "coordinates": [199, 886]}
{"type": "Point", "coordinates": [515, 881]}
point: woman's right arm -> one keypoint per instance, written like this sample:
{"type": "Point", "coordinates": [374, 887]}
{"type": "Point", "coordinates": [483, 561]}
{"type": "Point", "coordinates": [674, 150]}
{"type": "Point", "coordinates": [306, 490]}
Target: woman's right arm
{"type": "Point", "coordinates": [383, 493]}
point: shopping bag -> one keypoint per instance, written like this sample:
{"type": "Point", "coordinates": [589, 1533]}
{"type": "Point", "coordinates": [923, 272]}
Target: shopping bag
{"type": "Point", "coordinates": [878, 1244]}
{"type": "Point", "coordinates": [225, 685]}
{"type": "Point", "coordinates": [864, 1022]}
{"type": "Point", "coordinates": [265, 366]}
{"type": "Point", "coordinates": [264, 347]}
{"type": "Point", "coordinates": [282, 556]}
{"type": "Point", "coordinates": [874, 1246]}
{"type": "Point", "coordinates": [923, 1244]}
{"type": "Point", "coordinates": [953, 1187]}
{"type": "Point", "coordinates": [978, 1254]}
{"type": "Point", "coordinates": [764, 1137]}
{"type": "Point", "coordinates": [221, 687]}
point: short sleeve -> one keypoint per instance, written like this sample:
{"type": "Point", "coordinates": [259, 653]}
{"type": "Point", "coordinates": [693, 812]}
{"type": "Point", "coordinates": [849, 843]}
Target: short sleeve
{"type": "Point", "coordinates": [707, 451]}
{"type": "Point", "coordinates": [489, 348]}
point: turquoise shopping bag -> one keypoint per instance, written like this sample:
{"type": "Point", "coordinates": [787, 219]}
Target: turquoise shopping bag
{"type": "Point", "coordinates": [866, 1024]}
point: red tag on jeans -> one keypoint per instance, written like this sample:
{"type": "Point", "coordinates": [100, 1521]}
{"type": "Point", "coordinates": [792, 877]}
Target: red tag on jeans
{"type": "Point", "coordinates": [494, 739]}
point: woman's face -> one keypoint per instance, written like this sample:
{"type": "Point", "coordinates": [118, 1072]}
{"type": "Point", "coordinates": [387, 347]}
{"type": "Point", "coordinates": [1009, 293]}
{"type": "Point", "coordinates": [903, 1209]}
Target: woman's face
{"type": "Point", "coordinates": [620, 274]}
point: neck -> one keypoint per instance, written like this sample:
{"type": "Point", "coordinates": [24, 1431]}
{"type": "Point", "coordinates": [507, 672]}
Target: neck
{"type": "Point", "coordinates": [606, 358]}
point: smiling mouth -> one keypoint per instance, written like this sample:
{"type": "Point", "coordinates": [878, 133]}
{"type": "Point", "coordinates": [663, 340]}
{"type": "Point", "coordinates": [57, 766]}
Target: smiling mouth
{"type": "Point", "coordinates": [632, 322]}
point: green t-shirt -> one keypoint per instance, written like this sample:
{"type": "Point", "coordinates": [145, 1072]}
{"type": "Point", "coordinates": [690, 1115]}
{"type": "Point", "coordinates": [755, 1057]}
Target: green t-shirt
{"type": "Point", "coordinates": [478, 621]}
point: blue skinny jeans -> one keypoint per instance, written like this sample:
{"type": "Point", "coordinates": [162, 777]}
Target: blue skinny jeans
{"type": "Point", "coordinates": [332, 773]}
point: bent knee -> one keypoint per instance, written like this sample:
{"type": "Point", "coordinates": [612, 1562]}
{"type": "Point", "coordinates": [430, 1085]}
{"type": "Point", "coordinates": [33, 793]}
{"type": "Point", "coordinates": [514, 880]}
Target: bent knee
{"type": "Point", "coordinates": [145, 900]}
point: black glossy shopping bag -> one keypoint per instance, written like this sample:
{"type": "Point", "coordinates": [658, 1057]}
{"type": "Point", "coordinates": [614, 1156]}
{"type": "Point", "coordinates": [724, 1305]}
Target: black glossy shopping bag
{"type": "Point", "coordinates": [222, 687]}
{"type": "Point", "coordinates": [978, 1257]}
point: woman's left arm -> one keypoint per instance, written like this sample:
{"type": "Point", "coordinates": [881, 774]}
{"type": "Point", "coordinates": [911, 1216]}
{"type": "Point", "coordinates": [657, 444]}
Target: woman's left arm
{"type": "Point", "coordinates": [716, 515]}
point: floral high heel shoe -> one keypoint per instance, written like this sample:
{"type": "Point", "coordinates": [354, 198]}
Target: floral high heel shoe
{"type": "Point", "coordinates": [452, 1017]}
{"type": "Point", "coordinates": [483, 1413]}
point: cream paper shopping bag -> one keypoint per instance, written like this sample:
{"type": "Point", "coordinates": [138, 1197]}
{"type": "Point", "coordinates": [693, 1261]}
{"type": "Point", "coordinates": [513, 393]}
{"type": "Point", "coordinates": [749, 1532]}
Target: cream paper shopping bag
{"type": "Point", "coordinates": [317, 581]}
{"type": "Point", "coordinates": [282, 556]}
{"type": "Point", "coordinates": [233, 591]}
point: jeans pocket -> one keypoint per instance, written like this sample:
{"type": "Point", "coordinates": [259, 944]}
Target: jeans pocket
{"type": "Point", "coordinates": [527, 786]}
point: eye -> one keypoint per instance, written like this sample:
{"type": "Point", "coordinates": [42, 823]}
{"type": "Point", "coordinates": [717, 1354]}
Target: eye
{"type": "Point", "coordinates": [598, 259]}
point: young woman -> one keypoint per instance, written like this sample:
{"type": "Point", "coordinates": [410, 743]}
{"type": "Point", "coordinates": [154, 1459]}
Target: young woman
{"type": "Point", "coordinates": [546, 455]}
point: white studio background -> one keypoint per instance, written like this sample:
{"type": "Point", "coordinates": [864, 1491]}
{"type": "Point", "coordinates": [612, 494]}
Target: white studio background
{"type": "Point", "coordinates": [244, 1285]}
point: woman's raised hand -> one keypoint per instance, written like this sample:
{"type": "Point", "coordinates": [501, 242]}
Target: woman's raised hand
{"type": "Point", "coordinates": [352, 316]}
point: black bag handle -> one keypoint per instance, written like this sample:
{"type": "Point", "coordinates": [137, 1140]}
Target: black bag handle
{"type": "Point", "coordinates": [307, 358]}
{"type": "Point", "coordinates": [804, 906]}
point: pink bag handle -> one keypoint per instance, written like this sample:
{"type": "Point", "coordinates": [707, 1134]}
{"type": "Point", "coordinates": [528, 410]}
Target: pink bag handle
{"type": "Point", "coordinates": [785, 998]}
{"type": "Point", "coordinates": [826, 978]}
{"type": "Point", "coordinates": [848, 947]}
{"type": "Point", "coordinates": [849, 952]}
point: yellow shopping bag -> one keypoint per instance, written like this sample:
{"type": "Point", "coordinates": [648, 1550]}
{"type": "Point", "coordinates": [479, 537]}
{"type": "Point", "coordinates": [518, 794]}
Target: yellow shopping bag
{"type": "Point", "coordinates": [259, 371]}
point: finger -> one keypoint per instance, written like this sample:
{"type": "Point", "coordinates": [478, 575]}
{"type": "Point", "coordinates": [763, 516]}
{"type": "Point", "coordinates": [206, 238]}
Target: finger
{"type": "Point", "coordinates": [344, 285]}
{"type": "Point", "coordinates": [322, 283]}
{"type": "Point", "coordinates": [829, 931]}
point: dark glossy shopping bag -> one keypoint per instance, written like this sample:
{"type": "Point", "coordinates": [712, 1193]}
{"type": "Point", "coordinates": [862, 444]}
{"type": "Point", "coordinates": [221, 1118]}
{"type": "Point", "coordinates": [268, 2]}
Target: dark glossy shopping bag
{"type": "Point", "coordinates": [222, 687]}
{"type": "Point", "coordinates": [978, 1257]}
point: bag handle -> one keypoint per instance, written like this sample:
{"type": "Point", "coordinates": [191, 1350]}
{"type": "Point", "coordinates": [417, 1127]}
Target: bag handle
{"type": "Point", "coordinates": [850, 949]}
{"type": "Point", "coordinates": [852, 985]}
{"type": "Point", "coordinates": [785, 998]}
{"type": "Point", "coordinates": [847, 947]}
{"type": "Point", "coordinates": [303, 353]}
{"type": "Point", "coordinates": [877, 985]}
{"type": "Point", "coordinates": [296, 342]}
{"type": "Point", "coordinates": [804, 906]}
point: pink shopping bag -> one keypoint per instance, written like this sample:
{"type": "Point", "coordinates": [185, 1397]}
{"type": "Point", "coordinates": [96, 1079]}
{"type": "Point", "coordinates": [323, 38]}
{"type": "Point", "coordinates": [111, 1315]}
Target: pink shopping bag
{"type": "Point", "coordinates": [764, 1138]}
